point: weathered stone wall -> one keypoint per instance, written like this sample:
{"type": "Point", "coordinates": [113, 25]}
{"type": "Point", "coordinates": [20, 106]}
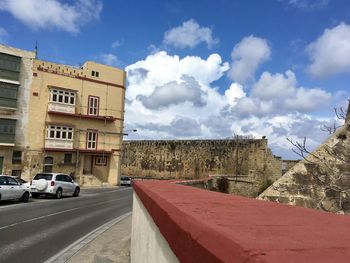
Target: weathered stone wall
{"type": "Point", "coordinates": [193, 159]}
{"type": "Point", "coordinates": [288, 164]}
{"type": "Point", "coordinates": [321, 181]}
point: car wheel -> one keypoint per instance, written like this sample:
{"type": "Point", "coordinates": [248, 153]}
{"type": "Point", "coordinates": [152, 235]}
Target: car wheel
{"type": "Point", "coordinates": [35, 195]}
{"type": "Point", "coordinates": [25, 197]}
{"type": "Point", "coordinates": [58, 194]}
{"type": "Point", "coordinates": [76, 192]}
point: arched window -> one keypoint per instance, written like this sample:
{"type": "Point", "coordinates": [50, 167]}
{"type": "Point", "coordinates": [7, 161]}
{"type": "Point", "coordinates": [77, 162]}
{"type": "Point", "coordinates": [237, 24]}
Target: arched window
{"type": "Point", "coordinates": [48, 164]}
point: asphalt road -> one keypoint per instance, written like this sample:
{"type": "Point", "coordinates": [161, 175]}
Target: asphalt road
{"type": "Point", "coordinates": [39, 229]}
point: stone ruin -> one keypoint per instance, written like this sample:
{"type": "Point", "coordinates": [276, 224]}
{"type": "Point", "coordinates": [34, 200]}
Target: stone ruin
{"type": "Point", "coordinates": [322, 179]}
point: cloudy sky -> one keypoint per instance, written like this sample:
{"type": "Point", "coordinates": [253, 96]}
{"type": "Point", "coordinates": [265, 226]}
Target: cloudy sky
{"type": "Point", "coordinates": [204, 69]}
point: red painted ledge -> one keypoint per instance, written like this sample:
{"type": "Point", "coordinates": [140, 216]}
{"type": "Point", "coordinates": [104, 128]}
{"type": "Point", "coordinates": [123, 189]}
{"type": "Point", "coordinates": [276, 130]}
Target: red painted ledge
{"type": "Point", "coordinates": [82, 116]}
{"type": "Point", "coordinates": [80, 150]}
{"type": "Point", "coordinates": [204, 226]}
{"type": "Point", "coordinates": [39, 68]}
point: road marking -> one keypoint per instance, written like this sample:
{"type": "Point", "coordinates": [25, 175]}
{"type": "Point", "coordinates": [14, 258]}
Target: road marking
{"type": "Point", "coordinates": [84, 195]}
{"type": "Point", "coordinates": [14, 247]}
{"type": "Point", "coordinates": [57, 213]}
{"type": "Point", "coordinates": [72, 249]}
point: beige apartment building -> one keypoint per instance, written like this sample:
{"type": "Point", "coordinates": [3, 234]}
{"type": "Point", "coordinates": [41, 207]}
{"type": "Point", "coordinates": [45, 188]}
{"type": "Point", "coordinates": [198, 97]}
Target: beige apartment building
{"type": "Point", "coordinates": [74, 122]}
{"type": "Point", "coordinates": [15, 84]}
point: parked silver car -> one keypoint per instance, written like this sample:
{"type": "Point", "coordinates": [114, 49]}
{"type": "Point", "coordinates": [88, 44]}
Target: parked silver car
{"type": "Point", "coordinates": [125, 180]}
{"type": "Point", "coordinates": [11, 189]}
{"type": "Point", "coordinates": [55, 184]}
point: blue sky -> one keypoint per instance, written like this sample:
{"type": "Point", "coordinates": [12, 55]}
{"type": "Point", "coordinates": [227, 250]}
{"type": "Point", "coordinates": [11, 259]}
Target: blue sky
{"type": "Point", "coordinates": [204, 69]}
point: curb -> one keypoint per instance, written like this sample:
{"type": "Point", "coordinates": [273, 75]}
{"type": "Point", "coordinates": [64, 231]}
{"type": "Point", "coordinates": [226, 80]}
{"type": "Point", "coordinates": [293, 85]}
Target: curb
{"type": "Point", "coordinates": [74, 248]}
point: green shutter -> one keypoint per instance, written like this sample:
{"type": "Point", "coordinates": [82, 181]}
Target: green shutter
{"type": "Point", "coordinates": [7, 130]}
{"type": "Point", "coordinates": [9, 62]}
{"type": "Point", "coordinates": [9, 67]}
{"type": "Point", "coordinates": [8, 95]}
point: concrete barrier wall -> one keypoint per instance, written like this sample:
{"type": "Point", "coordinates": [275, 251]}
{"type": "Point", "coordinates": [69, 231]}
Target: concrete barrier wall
{"type": "Point", "coordinates": [205, 226]}
{"type": "Point", "coordinates": [147, 243]}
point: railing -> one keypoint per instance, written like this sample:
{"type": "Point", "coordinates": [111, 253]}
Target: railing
{"type": "Point", "coordinates": [58, 144]}
{"type": "Point", "coordinates": [178, 223]}
{"type": "Point", "coordinates": [59, 107]}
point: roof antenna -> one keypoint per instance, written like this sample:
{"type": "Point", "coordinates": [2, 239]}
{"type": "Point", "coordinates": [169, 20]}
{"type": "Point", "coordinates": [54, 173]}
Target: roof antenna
{"type": "Point", "coordinates": [36, 49]}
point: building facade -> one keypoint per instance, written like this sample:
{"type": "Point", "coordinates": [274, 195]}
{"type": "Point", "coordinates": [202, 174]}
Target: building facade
{"type": "Point", "coordinates": [15, 84]}
{"type": "Point", "coordinates": [74, 122]}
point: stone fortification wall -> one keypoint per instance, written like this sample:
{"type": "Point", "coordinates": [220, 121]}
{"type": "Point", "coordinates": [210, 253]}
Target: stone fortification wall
{"type": "Point", "coordinates": [193, 159]}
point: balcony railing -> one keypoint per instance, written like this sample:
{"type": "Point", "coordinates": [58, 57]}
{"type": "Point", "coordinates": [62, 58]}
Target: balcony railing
{"type": "Point", "coordinates": [58, 144]}
{"type": "Point", "coordinates": [59, 107]}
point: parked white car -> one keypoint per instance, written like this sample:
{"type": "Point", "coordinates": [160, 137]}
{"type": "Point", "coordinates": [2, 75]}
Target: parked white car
{"type": "Point", "coordinates": [11, 189]}
{"type": "Point", "coordinates": [55, 184]}
{"type": "Point", "coordinates": [125, 180]}
{"type": "Point", "coordinates": [24, 183]}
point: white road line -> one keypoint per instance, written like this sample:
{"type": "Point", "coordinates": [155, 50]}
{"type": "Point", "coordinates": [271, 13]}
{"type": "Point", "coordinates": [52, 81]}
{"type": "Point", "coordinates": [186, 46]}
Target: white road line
{"type": "Point", "coordinates": [72, 249]}
{"type": "Point", "coordinates": [61, 212]}
{"type": "Point", "coordinates": [84, 195]}
{"type": "Point", "coordinates": [7, 250]}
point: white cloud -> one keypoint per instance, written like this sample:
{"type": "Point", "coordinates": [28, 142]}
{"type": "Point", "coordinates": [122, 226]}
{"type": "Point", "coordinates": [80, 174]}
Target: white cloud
{"type": "Point", "coordinates": [3, 34]}
{"type": "Point", "coordinates": [308, 4]}
{"type": "Point", "coordinates": [174, 92]}
{"type": "Point", "coordinates": [330, 53]}
{"type": "Point", "coordinates": [53, 14]}
{"type": "Point", "coordinates": [189, 34]}
{"type": "Point", "coordinates": [164, 87]}
{"type": "Point", "coordinates": [276, 94]}
{"type": "Point", "coordinates": [171, 98]}
{"type": "Point", "coordinates": [276, 86]}
{"type": "Point", "coordinates": [108, 59]}
{"type": "Point", "coordinates": [116, 44]}
{"type": "Point", "coordinates": [233, 93]}
{"type": "Point", "coordinates": [247, 55]}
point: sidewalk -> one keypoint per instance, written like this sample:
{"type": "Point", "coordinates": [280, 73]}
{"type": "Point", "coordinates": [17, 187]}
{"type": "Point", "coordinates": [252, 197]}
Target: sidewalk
{"type": "Point", "coordinates": [110, 243]}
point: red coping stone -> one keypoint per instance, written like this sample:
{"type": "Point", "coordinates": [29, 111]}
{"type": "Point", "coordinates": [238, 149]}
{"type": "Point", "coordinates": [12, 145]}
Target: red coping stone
{"type": "Point", "coordinates": [204, 226]}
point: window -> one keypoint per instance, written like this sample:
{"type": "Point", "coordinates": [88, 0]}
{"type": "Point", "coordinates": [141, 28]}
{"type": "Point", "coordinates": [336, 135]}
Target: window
{"type": "Point", "coordinates": [7, 130]}
{"type": "Point", "coordinates": [62, 96]}
{"type": "Point", "coordinates": [59, 132]}
{"type": "Point", "coordinates": [48, 164]}
{"type": "Point", "coordinates": [60, 177]}
{"type": "Point", "coordinates": [95, 73]}
{"type": "Point", "coordinates": [11, 181]}
{"type": "Point", "coordinates": [47, 177]}
{"type": "Point", "coordinates": [68, 158]}
{"type": "Point", "coordinates": [3, 180]}
{"type": "Point", "coordinates": [101, 160]}
{"type": "Point", "coordinates": [93, 105]}
{"type": "Point", "coordinates": [67, 178]}
{"type": "Point", "coordinates": [16, 173]}
{"type": "Point", "coordinates": [8, 95]}
{"type": "Point", "coordinates": [91, 140]}
{"type": "Point", "coordinates": [9, 67]}
{"type": "Point", "coordinates": [16, 157]}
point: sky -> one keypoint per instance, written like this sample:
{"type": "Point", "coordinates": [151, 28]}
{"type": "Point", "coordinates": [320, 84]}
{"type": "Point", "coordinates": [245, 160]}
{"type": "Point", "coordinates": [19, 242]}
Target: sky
{"type": "Point", "coordinates": [204, 69]}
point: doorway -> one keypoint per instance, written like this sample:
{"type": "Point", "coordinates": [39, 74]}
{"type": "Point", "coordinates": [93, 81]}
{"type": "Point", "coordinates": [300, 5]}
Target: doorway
{"type": "Point", "coordinates": [87, 164]}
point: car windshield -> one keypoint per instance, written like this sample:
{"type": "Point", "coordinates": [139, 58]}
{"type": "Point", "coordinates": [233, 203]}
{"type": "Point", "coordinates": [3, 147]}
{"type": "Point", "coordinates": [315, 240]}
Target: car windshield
{"type": "Point", "coordinates": [124, 178]}
{"type": "Point", "coordinates": [43, 176]}
{"type": "Point", "coordinates": [21, 180]}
